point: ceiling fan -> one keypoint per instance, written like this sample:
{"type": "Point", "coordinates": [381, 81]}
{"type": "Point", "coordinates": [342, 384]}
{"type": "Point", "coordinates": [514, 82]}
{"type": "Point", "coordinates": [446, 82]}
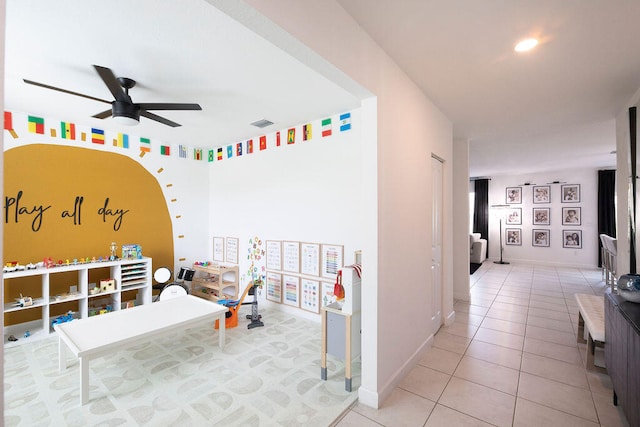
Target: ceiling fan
{"type": "Point", "coordinates": [123, 109]}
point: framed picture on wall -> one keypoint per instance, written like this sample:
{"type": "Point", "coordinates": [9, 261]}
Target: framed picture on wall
{"type": "Point", "coordinates": [572, 239]}
{"type": "Point", "coordinates": [570, 193]}
{"type": "Point", "coordinates": [514, 195]}
{"type": "Point", "coordinates": [514, 216]}
{"type": "Point", "coordinates": [513, 236]}
{"type": "Point", "coordinates": [218, 249]}
{"type": "Point", "coordinates": [274, 255]}
{"type": "Point", "coordinates": [541, 216]}
{"type": "Point", "coordinates": [571, 216]}
{"type": "Point", "coordinates": [332, 259]}
{"type": "Point", "coordinates": [540, 238]}
{"type": "Point", "coordinates": [310, 295]}
{"type": "Point", "coordinates": [327, 296]}
{"type": "Point", "coordinates": [310, 259]}
{"type": "Point", "coordinates": [231, 250]}
{"type": "Point", "coordinates": [542, 194]}
{"type": "Point", "coordinates": [291, 256]}
{"type": "Point", "coordinates": [291, 290]}
{"type": "Point", "coordinates": [274, 287]}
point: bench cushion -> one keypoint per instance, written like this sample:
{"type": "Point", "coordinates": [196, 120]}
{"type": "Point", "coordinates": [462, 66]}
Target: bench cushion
{"type": "Point", "coordinates": [592, 311]}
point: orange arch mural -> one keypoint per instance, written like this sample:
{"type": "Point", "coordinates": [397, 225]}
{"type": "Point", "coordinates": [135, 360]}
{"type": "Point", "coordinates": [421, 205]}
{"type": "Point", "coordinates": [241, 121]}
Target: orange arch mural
{"type": "Point", "coordinates": [70, 202]}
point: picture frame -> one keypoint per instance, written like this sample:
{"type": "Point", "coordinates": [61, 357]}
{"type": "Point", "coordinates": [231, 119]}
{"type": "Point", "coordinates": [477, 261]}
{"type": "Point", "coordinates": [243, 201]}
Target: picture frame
{"type": "Point", "coordinates": [514, 216]}
{"type": "Point", "coordinates": [541, 216]}
{"type": "Point", "coordinates": [542, 194]}
{"type": "Point", "coordinates": [541, 238]}
{"type": "Point", "coordinates": [310, 295]}
{"type": "Point", "coordinates": [218, 249]}
{"type": "Point", "coordinates": [274, 287]}
{"type": "Point", "coordinates": [327, 296]}
{"type": "Point", "coordinates": [572, 239]}
{"type": "Point", "coordinates": [291, 290]}
{"type": "Point", "coordinates": [513, 195]}
{"type": "Point", "coordinates": [572, 216]}
{"type": "Point", "coordinates": [291, 257]}
{"type": "Point", "coordinates": [513, 236]}
{"type": "Point", "coordinates": [332, 260]}
{"type": "Point", "coordinates": [231, 250]}
{"type": "Point", "coordinates": [570, 193]}
{"type": "Point", "coordinates": [274, 255]}
{"type": "Point", "coordinates": [310, 259]}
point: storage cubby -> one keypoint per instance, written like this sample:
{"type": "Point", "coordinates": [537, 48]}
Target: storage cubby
{"type": "Point", "coordinates": [214, 282]}
{"type": "Point", "coordinates": [57, 290]}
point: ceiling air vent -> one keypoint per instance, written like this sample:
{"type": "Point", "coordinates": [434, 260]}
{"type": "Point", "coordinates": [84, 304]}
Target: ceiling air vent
{"type": "Point", "coordinates": [262, 123]}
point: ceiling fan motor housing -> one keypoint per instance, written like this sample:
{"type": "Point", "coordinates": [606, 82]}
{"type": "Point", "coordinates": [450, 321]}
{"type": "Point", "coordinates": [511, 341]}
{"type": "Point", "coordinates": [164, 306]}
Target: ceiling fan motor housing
{"type": "Point", "coordinates": [124, 109]}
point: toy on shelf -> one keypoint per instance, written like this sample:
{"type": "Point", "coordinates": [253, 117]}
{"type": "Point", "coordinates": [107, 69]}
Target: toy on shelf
{"type": "Point", "coordinates": [24, 301]}
{"type": "Point", "coordinates": [12, 266]}
{"type": "Point", "coordinates": [131, 251]}
{"type": "Point", "coordinates": [63, 319]}
{"type": "Point", "coordinates": [113, 248]}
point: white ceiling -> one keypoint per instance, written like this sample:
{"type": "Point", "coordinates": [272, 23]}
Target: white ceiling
{"type": "Point", "coordinates": [552, 108]}
{"type": "Point", "coordinates": [177, 51]}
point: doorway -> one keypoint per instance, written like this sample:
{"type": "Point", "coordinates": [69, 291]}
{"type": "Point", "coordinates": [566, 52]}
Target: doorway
{"type": "Point", "coordinates": [436, 242]}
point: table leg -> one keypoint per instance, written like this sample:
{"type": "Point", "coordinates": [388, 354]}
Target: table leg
{"type": "Point", "coordinates": [62, 354]}
{"type": "Point", "coordinates": [323, 351]}
{"type": "Point", "coordinates": [347, 355]}
{"type": "Point", "coordinates": [221, 329]}
{"type": "Point", "coordinates": [84, 380]}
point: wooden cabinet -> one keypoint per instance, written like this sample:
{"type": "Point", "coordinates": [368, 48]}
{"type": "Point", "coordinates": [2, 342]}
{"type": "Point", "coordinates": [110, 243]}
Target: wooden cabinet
{"type": "Point", "coordinates": [622, 352]}
{"type": "Point", "coordinates": [52, 295]}
{"type": "Point", "coordinates": [215, 282]}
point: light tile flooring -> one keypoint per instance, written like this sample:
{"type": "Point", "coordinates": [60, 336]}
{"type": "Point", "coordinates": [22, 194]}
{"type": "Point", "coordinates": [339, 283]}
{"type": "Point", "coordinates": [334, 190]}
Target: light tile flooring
{"type": "Point", "coordinates": [510, 358]}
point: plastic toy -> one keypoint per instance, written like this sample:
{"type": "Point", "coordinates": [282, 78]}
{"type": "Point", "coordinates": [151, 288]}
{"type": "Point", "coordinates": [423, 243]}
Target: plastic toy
{"type": "Point", "coordinates": [24, 301]}
{"type": "Point", "coordinates": [64, 318]}
{"type": "Point", "coordinates": [31, 266]}
{"type": "Point", "coordinates": [27, 334]}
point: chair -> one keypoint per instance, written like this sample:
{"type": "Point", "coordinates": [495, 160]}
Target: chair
{"type": "Point", "coordinates": [477, 248]}
{"type": "Point", "coordinates": [609, 259]}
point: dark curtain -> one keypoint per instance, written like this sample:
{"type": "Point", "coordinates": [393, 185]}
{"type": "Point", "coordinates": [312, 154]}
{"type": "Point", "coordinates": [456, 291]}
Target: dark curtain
{"type": "Point", "coordinates": [481, 210]}
{"type": "Point", "coordinates": [606, 207]}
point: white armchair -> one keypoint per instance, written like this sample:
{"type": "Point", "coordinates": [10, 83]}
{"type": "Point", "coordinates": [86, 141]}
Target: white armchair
{"type": "Point", "coordinates": [477, 248]}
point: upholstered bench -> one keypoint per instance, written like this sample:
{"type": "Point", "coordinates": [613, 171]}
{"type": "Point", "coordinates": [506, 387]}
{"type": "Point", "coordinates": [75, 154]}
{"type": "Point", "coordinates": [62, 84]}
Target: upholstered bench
{"type": "Point", "coordinates": [591, 316]}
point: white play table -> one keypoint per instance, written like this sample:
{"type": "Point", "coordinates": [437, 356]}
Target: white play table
{"type": "Point", "coordinates": [99, 335]}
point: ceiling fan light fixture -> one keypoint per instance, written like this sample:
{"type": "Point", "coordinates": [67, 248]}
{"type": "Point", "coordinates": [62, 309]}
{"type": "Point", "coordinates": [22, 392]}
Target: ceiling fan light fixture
{"type": "Point", "coordinates": [125, 114]}
{"type": "Point", "coordinates": [526, 45]}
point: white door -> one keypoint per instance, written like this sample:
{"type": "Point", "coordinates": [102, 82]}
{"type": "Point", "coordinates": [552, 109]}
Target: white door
{"type": "Point", "coordinates": [436, 244]}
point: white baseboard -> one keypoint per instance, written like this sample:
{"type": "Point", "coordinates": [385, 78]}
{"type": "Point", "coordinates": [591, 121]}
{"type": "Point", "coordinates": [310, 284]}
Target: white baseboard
{"type": "Point", "coordinates": [373, 399]}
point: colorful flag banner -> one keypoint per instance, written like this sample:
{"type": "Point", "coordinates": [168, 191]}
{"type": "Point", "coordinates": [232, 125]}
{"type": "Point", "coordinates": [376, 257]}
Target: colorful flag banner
{"type": "Point", "coordinates": [229, 151]}
{"type": "Point", "coordinates": [211, 155]}
{"type": "Point", "coordinates": [345, 122]}
{"type": "Point", "coordinates": [8, 124]}
{"type": "Point", "coordinates": [182, 151]}
{"type": "Point", "coordinates": [122, 141]}
{"type": "Point", "coordinates": [239, 149]}
{"type": "Point", "coordinates": [67, 130]}
{"type": "Point", "coordinates": [220, 153]}
{"type": "Point", "coordinates": [306, 132]}
{"type": "Point", "coordinates": [97, 136]}
{"type": "Point", "coordinates": [165, 150]}
{"type": "Point", "coordinates": [263, 142]}
{"type": "Point", "coordinates": [278, 139]}
{"type": "Point", "coordinates": [36, 125]}
{"type": "Point", "coordinates": [291, 136]}
{"type": "Point", "coordinates": [145, 145]}
{"type": "Point", "coordinates": [250, 146]}
{"type": "Point", "coordinates": [326, 127]}
{"type": "Point", "coordinates": [197, 154]}
{"type": "Point", "coordinates": [53, 132]}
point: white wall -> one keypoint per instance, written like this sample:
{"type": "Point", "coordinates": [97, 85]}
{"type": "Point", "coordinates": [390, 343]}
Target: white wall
{"type": "Point", "coordinates": [409, 130]}
{"type": "Point", "coordinates": [461, 218]}
{"type": "Point", "coordinates": [307, 192]}
{"type": "Point", "coordinates": [555, 254]}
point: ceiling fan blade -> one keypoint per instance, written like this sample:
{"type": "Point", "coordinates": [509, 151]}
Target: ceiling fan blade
{"type": "Point", "coordinates": [157, 118]}
{"type": "Point", "coordinates": [104, 114]}
{"type": "Point", "coordinates": [168, 106]}
{"type": "Point", "coordinates": [31, 82]}
{"type": "Point", "coordinates": [112, 83]}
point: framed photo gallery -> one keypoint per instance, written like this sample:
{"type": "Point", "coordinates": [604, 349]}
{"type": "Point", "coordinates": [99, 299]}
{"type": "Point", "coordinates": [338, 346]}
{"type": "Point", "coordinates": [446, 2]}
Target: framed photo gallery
{"type": "Point", "coordinates": [302, 274]}
{"type": "Point", "coordinates": [545, 212]}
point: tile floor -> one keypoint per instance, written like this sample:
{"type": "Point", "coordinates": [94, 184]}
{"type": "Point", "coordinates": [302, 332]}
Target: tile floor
{"type": "Point", "coordinates": [509, 359]}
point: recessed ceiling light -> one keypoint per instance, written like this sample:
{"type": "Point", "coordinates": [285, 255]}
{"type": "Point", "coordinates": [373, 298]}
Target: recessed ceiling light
{"type": "Point", "coordinates": [525, 45]}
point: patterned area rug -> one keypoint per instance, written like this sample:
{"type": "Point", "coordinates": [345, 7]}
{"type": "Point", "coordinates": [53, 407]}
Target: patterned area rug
{"type": "Point", "coordinates": [267, 376]}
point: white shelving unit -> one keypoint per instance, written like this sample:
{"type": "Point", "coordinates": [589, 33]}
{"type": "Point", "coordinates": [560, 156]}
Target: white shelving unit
{"type": "Point", "coordinates": [129, 274]}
